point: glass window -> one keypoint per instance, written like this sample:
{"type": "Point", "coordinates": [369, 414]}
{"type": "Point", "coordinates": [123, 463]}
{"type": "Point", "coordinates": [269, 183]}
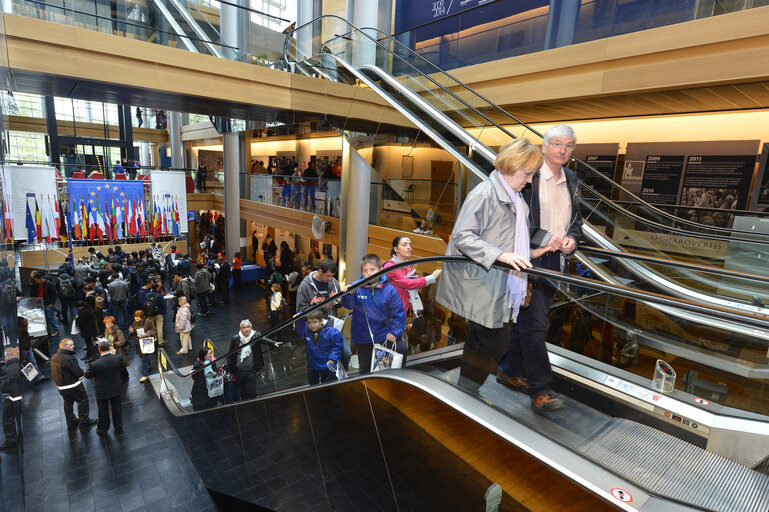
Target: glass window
{"type": "Point", "coordinates": [26, 146]}
{"type": "Point", "coordinates": [20, 104]}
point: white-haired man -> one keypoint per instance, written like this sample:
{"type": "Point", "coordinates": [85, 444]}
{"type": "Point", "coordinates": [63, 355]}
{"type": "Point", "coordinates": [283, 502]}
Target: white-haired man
{"type": "Point", "coordinates": [555, 221]}
{"type": "Point", "coordinates": [248, 359]}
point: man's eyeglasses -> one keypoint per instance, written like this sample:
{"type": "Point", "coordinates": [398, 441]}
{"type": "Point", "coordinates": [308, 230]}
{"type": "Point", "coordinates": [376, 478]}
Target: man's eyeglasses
{"type": "Point", "coordinates": [560, 145]}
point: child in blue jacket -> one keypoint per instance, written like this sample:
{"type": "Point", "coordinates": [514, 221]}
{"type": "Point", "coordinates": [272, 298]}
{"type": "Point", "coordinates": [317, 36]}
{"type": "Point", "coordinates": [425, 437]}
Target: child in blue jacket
{"type": "Point", "coordinates": [324, 345]}
{"type": "Point", "coordinates": [380, 304]}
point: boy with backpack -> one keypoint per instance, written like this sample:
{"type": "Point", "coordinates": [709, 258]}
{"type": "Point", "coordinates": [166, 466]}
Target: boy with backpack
{"type": "Point", "coordinates": [324, 345]}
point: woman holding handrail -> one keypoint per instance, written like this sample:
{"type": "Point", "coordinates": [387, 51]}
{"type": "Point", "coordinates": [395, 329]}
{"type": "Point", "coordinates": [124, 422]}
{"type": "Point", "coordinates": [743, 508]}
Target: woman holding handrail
{"type": "Point", "coordinates": [492, 226]}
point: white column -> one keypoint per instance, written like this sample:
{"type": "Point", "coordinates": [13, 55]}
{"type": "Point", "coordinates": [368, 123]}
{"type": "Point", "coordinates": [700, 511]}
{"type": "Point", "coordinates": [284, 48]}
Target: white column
{"type": "Point", "coordinates": [145, 154]}
{"type": "Point", "coordinates": [305, 13]}
{"type": "Point", "coordinates": [175, 139]}
{"type": "Point", "coordinates": [232, 164]}
{"type": "Point", "coordinates": [364, 16]}
{"type": "Point", "coordinates": [353, 220]}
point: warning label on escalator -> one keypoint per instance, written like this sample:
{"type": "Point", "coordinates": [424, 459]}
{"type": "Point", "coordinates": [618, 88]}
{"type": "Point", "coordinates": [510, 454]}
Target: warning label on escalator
{"type": "Point", "coordinates": [622, 495]}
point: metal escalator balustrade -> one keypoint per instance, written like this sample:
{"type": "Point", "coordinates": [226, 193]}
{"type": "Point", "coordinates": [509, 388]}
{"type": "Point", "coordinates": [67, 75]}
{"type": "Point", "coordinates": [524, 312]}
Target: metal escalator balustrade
{"type": "Point", "coordinates": [729, 440]}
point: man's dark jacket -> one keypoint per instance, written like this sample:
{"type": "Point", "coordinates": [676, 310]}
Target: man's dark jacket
{"type": "Point", "coordinates": [49, 291]}
{"type": "Point", "coordinates": [64, 368]}
{"type": "Point", "coordinates": [86, 322]}
{"type": "Point", "coordinates": [106, 372]}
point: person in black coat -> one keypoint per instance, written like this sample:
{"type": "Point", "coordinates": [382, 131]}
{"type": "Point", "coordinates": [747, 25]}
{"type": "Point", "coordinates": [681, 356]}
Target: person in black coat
{"type": "Point", "coordinates": [223, 280]}
{"type": "Point", "coordinates": [67, 375]}
{"type": "Point", "coordinates": [244, 364]}
{"type": "Point", "coordinates": [86, 324]}
{"type": "Point", "coordinates": [108, 385]}
{"type": "Point", "coordinates": [199, 395]}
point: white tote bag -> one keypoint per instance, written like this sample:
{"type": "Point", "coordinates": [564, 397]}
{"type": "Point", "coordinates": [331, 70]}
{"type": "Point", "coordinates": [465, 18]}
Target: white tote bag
{"type": "Point", "coordinates": [382, 356]}
{"type": "Point", "coordinates": [29, 372]}
{"type": "Point", "coordinates": [216, 387]}
{"type": "Point", "coordinates": [385, 358]}
{"type": "Point", "coordinates": [147, 345]}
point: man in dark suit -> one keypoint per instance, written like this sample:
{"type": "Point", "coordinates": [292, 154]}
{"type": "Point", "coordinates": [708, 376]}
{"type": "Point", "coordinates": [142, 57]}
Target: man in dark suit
{"type": "Point", "coordinates": [106, 372]}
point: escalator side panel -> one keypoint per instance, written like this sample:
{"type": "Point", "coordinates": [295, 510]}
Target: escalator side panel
{"type": "Point", "coordinates": [363, 445]}
{"type": "Point", "coordinates": [435, 426]}
{"type": "Point", "coordinates": [353, 466]}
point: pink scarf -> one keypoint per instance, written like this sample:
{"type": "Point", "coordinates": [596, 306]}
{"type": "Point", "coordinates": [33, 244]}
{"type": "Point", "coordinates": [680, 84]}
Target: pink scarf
{"type": "Point", "coordinates": [517, 281]}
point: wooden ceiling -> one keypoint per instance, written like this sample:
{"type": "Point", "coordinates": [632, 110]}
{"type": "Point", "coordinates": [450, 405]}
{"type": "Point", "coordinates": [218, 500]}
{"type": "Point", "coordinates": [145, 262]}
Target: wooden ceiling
{"type": "Point", "coordinates": [720, 98]}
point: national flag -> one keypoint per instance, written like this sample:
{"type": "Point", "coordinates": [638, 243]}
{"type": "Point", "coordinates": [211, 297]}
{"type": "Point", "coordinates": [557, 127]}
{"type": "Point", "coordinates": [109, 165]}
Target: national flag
{"type": "Point", "coordinates": [2, 222]}
{"type": "Point", "coordinates": [56, 214]}
{"type": "Point", "coordinates": [83, 219]}
{"type": "Point", "coordinates": [119, 220]}
{"type": "Point", "coordinates": [75, 226]}
{"type": "Point", "coordinates": [142, 221]}
{"type": "Point", "coordinates": [164, 221]}
{"type": "Point", "coordinates": [50, 220]}
{"type": "Point", "coordinates": [92, 230]}
{"type": "Point", "coordinates": [175, 218]}
{"type": "Point", "coordinates": [126, 215]}
{"type": "Point", "coordinates": [38, 222]}
{"type": "Point", "coordinates": [31, 231]}
{"type": "Point", "coordinates": [8, 219]}
{"type": "Point", "coordinates": [113, 218]}
{"type": "Point", "coordinates": [101, 229]}
{"type": "Point", "coordinates": [134, 219]}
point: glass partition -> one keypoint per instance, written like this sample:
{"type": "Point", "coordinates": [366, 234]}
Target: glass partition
{"type": "Point", "coordinates": [624, 328]}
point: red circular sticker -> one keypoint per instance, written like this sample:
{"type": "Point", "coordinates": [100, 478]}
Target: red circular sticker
{"type": "Point", "coordinates": [622, 495]}
{"type": "Point", "coordinates": [701, 401]}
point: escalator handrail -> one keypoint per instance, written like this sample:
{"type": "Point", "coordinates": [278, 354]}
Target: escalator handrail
{"type": "Point", "coordinates": [623, 291]}
{"type": "Point", "coordinates": [719, 271]}
{"type": "Point", "coordinates": [132, 23]}
{"type": "Point", "coordinates": [621, 188]}
{"type": "Point", "coordinates": [414, 119]}
{"type": "Point", "coordinates": [662, 227]}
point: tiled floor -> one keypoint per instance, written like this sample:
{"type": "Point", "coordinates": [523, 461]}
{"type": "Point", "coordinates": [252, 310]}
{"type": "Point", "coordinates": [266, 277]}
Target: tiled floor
{"type": "Point", "coordinates": [144, 468]}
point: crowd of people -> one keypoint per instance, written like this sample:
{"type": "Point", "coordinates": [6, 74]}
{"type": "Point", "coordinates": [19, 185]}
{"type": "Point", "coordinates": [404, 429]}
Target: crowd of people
{"type": "Point", "coordinates": [117, 299]}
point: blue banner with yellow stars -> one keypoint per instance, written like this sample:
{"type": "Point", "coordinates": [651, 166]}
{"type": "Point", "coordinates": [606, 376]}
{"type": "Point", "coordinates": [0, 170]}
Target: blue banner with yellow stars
{"type": "Point", "coordinates": [112, 209]}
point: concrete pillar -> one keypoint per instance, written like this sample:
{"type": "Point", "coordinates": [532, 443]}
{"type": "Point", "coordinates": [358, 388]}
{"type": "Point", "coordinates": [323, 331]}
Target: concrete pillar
{"type": "Point", "coordinates": [561, 23]}
{"type": "Point", "coordinates": [175, 140]}
{"type": "Point", "coordinates": [353, 220]}
{"type": "Point", "coordinates": [303, 149]}
{"type": "Point", "coordinates": [305, 13]}
{"type": "Point", "coordinates": [232, 164]}
{"type": "Point", "coordinates": [234, 29]}
{"type": "Point", "coordinates": [365, 16]}
{"type": "Point", "coordinates": [146, 154]}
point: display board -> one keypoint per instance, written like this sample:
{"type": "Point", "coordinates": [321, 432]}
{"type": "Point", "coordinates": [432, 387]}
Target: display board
{"type": "Point", "coordinates": [414, 13]}
{"type": "Point", "coordinates": [169, 194]}
{"type": "Point", "coordinates": [601, 157]}
{"type": "Point", "coordinates": [714, 174]}
{"type": "Point", "coordinates": [37, 181]}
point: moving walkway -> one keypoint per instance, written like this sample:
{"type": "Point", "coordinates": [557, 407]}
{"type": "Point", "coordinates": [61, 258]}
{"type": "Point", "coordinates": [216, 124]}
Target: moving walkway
{"type": "Point", "coordinates": [435, 435]}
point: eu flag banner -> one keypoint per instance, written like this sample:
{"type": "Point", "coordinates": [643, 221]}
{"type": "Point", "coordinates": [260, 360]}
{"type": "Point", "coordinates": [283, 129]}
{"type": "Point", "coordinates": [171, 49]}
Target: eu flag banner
{"type": "Point", "coordinates": [98, 197]}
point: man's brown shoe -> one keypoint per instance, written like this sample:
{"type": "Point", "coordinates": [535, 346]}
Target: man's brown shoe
{"type": "Point", "coordinates": [515, 383]}
{"type": "Point", "coordinates": [547, 402]}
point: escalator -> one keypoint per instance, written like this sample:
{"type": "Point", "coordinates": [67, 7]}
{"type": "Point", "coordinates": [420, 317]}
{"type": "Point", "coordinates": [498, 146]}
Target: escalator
{"type": "Point", "coordinates": [437, 434]}
{"type": "Point", "coordinates": [455, 118]}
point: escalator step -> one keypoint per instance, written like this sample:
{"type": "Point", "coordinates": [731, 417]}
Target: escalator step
{"type": "Point", "coordinates": [671, 467]}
